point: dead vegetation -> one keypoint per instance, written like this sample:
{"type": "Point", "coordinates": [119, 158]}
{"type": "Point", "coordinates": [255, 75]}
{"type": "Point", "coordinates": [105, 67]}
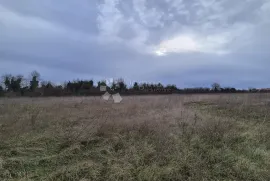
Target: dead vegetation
{"type": "Point", "coordinates": [200, 137]}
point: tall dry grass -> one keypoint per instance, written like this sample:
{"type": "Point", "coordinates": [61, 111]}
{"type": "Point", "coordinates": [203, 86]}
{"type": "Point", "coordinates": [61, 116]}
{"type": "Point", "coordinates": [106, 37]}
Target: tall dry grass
{"type": "Point", "coordinates": [198, 137]}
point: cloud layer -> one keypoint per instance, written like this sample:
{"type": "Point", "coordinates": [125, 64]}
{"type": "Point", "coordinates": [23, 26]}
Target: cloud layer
{"type": "Point", "coordinates": [187, 42]}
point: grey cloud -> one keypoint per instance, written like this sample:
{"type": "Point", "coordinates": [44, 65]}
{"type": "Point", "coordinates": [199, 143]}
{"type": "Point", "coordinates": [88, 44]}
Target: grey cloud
{"type": "Point", "coordinates": [114, 38]}
{"type": "Point", "coordinates": [78, 15]}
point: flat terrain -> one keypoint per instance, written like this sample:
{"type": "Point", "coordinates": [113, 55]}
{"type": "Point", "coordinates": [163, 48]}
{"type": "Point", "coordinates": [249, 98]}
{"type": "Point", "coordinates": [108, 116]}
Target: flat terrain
{"type": "Point", "coordinates": [176, 137]}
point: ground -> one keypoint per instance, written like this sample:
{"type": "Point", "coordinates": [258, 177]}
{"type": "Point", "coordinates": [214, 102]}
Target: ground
{"type": "Point", "coordinates": [175, 137]}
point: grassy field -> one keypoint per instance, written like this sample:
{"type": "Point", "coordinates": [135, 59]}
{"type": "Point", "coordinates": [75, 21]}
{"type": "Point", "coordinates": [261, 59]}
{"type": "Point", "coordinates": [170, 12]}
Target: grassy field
{"type": "Point", "coordinates": [176, 137]}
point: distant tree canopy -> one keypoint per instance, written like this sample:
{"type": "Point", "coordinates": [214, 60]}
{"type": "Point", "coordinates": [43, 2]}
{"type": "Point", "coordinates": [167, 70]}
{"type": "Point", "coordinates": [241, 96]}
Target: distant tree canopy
{"type": "Point", "coordinates": [102, 83]}
{"type": "Point", "coordinates": [34, 83]}
{"type": "Point", "coordinates": [36, 87]}
{"type": "Point", "coordinates": [1, 91]}
{"type": "Point", "coordinates": [216, 87]}
{"type": "Point", "coordinates": [136, 86]}
{"type": "Point", "coordinates": [12, 83]}
{"type": "Point", "coordinates": [78, 85]}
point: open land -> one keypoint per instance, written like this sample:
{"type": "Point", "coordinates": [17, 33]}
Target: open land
{"type": "Point", "coordinates": [170, 137]}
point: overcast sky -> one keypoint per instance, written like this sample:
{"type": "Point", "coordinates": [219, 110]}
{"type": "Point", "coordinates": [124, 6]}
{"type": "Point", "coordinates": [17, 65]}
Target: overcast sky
{"type": "Point", "coordinates": [187, 42]}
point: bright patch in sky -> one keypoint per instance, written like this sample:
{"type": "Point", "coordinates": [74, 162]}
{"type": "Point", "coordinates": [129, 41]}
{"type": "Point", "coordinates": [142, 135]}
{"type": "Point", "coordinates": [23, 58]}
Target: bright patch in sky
{"type": "Point", "coordinates": [160, 52]}
{"type": "Point", "coordinates": [178, 44]}
{"type": "Point", "coordinates": [213, 44]}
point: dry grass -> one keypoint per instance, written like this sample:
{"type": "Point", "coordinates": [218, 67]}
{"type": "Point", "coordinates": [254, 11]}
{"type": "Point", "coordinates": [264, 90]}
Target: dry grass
{"type": "Point", "coordinates": [198, 137]}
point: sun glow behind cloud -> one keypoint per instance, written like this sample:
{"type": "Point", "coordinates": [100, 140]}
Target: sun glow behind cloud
{"type": "Point", "coordinates": [160, 52]}
{"type": "Point", "coordinates": [178, 44]}
{"type": "Point", "coordinates": [213, 44]}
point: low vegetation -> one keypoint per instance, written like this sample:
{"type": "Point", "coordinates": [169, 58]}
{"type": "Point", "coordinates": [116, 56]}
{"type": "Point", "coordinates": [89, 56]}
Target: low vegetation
{"type": "Point", "coordinates": [19, 86]}
{"type": "Point", "coordinates": [170, 137]}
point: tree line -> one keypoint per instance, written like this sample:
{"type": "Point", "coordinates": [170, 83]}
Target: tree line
{"type": "Point", "coordinates": [17, 85]}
